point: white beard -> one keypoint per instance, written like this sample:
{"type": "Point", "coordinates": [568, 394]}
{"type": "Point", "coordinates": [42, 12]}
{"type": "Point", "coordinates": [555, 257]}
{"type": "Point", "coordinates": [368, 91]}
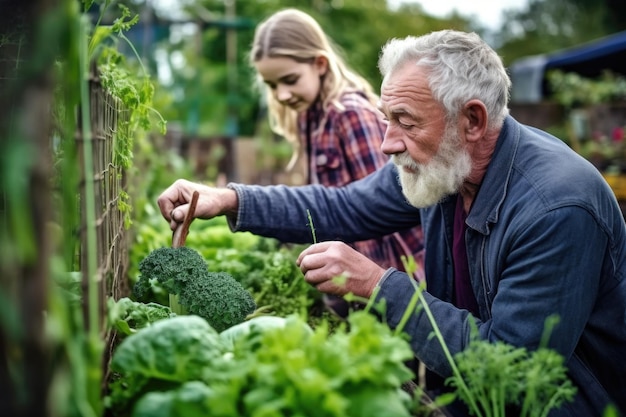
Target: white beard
{"type": "Point", "coordinates": [441, 177]}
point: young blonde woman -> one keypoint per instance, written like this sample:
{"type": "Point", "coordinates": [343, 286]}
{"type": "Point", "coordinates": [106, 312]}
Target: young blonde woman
{"type": "Point", "coordinates": [327, 112]}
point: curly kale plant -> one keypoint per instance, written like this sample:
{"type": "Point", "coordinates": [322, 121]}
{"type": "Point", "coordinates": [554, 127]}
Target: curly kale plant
{"type": "Point", "coordinates": [215, 296]}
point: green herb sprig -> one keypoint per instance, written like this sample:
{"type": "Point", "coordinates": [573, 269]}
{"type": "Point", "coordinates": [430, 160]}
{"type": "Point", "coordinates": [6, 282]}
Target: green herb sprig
{"type": "Point", "coordinates": [492, 378]}
{"type": "Point", "coordinates": [308, 214]}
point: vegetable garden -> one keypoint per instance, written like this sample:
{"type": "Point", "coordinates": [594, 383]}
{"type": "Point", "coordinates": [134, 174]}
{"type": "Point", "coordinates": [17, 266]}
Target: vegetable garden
{"type": "Point", "coordinates": [101, 316]}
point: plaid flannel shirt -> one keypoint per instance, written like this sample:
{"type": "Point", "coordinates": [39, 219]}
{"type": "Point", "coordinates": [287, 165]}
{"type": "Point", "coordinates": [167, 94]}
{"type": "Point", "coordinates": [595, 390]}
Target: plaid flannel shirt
{"type": "Point", "coordinates": [344, 145]}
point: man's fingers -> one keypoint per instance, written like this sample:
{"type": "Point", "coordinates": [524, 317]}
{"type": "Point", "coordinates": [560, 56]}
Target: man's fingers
{"type": "Point", "coordinates": [173, 197]}
{"type": "Point", "coordinates": [179, 213]}
{"type": "Point", "coordinates": [307, 263]}
{"type": "Point", "coordinates": [313, 249]}
{"type": "Point", "coordinates": [177, 217]}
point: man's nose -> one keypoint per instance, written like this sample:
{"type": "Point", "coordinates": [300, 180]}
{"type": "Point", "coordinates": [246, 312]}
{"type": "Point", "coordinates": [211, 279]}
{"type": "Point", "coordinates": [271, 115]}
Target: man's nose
{"type": "Point", "coordinates": [392, 142]}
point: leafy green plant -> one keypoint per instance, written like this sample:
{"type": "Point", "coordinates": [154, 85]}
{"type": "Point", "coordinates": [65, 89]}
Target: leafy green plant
{"type": "Point", "coordinates": [493, 379]}
{"type": "Point", "coordinates": [128, 316]}
{"type": "Point", "coordinates": [263, 266]}
{"type": "Point", "coordinates": [501, 378]}
{"type": "Point", "coordinates": [72, 334]}
{"type": "Point", "coordinates": [129, 82]}
{"type": "Point", "coordinates": [133, 87]}
{"type": "Point", "coordinates": [161, 357]}
{"type": "Point", "coordinates": [178, 366]}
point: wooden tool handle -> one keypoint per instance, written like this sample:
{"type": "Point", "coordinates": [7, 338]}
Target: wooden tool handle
{"type": "Point", "coordinates": [181, 232]}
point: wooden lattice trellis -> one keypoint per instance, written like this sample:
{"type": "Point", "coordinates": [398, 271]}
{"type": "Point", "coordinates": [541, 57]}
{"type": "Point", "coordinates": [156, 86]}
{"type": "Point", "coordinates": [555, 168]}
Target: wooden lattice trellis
{"type": "Point", "coordinates": [108, 117]}
{"type": "Point", "coordinates": [34, 356]}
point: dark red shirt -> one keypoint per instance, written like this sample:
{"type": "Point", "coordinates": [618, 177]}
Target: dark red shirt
{"type": "Point", "coordinates": [463, 292]}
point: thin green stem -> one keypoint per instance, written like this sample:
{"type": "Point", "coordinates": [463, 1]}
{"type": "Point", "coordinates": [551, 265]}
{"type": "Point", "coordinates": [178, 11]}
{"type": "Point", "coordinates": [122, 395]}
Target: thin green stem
{"type": "Point", "coordinates": [94, 343]}
{"type": "Point", "coordinates": [552, 403]}
{"type": "Point", "coordinates": [495, 404]}
{"type": "Point", "coordinates": [308, 214]}
{"type": "Point", "coordinates": [155, 111]}
{"type": "Point", "coordinates": [132, 47]}
{"type": "Point", "coordinates": [407, 312]}
{"type": "Point", "coordinates": [89, 196]}
{"type": "Point", "coordinates": [455, 370]}
{"type": "Point", "coordinates": [446, 352]}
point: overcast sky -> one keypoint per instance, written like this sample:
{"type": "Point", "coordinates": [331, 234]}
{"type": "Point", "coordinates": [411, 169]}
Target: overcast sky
{"type": "Point", "coordinates": [487, 12]}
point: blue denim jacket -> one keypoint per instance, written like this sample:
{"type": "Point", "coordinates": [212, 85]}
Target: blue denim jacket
{"type": "Point", "coordinates": [545, 237]}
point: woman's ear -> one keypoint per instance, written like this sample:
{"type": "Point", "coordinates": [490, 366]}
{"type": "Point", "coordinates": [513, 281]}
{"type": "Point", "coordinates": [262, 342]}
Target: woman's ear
{"type": "Point", "coordinates": [321, 63]}
{"type": "Point", "coordinates": [475, 120]}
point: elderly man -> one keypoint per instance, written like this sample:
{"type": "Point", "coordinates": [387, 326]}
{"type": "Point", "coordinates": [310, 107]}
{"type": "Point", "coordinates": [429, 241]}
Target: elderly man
{"type": "Point", "coordinates": [517, 226]}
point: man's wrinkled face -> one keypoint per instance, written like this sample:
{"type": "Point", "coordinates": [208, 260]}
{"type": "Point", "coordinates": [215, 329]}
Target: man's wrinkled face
{"type": "Point", "coordinates": [426, 184]}
{"type": "Point", "coordinates": [430, 153]}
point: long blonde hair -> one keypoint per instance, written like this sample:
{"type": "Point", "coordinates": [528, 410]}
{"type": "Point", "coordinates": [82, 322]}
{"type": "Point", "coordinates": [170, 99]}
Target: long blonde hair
{"type": "Point", "coordinates": [292, 33]}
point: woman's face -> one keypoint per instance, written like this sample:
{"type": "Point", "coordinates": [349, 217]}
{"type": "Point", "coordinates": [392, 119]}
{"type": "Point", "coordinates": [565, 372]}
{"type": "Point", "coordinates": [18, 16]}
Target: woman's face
{"type": "Point", "coordinates": [294, 84]}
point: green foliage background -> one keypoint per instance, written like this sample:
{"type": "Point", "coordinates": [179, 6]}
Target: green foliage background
{"type": "Point", "coordinates": [199, 48]}
{"type": "Point", "coordinates": [213, 89]}
{"type": "Point", "coordinates": [208, 92]}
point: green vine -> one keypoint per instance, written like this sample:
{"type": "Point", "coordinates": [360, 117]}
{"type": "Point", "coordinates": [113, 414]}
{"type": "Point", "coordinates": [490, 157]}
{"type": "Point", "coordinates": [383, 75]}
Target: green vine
{"type": "Point", "coordinates": [129, 82]}
{"type": "Point", "coordinates": [133, 87]}
{"type": "Point", "coordinates": [86, 45]}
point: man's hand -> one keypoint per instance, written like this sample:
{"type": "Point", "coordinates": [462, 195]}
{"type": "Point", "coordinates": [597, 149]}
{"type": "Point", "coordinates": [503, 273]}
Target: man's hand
{"type": "Point", "coordinates": [174, 202]}
{"type": "Point", "coordinates": [336, 268]}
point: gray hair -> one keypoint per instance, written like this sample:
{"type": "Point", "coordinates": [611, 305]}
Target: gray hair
{"type": "Point", "coordinates": [462, 67]}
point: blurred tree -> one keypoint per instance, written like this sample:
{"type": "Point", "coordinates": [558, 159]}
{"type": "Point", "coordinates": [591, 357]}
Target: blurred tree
{"type": "Point", "coordinates": [209, 83]}
{"type": "Point", "coordinates": [199, 47]}
{"type": "Point", "coordinates": [613, 16]}
{"type": "Point", "coordinates": [549, 25]}
{"type": "Point", "coordinates": [360, 28]}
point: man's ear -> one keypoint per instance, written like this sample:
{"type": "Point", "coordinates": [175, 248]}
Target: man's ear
{"type": "Point", "coordinates": [474, 120]}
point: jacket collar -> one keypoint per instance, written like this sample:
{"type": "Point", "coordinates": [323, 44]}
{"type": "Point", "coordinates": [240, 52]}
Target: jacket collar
{"type": "Point", "coordinates": [494, 188]}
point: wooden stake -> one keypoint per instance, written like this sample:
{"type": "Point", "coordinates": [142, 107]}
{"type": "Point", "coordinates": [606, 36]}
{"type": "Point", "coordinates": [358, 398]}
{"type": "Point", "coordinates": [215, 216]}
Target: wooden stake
{"type": "Point", "coordinates": [180, 234]}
